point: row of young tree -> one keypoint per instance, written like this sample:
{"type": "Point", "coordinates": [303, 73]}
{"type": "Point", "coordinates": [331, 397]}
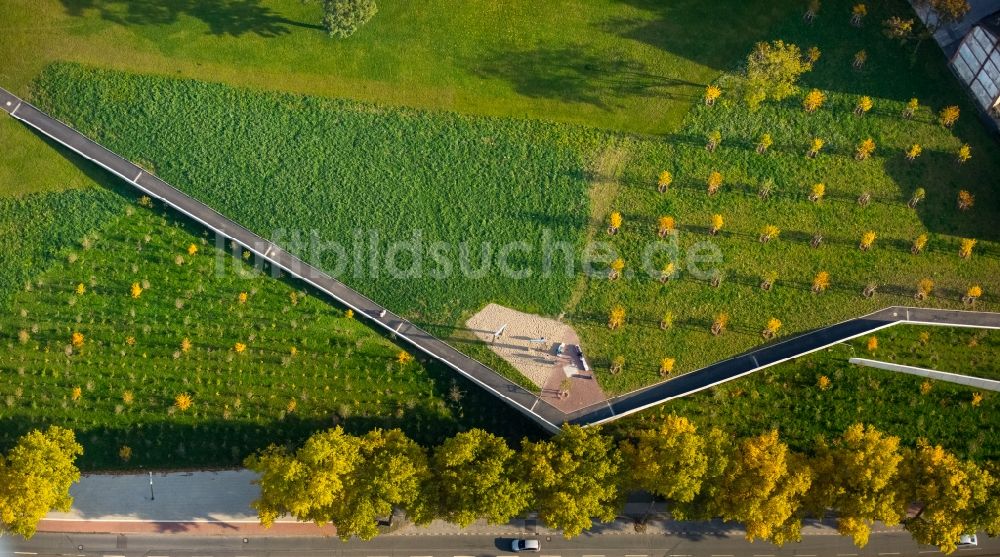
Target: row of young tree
{"type": "Point", "coordinates": [583, 474]}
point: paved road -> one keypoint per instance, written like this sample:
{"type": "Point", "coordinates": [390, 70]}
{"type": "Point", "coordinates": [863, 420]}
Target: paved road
{"type": "Point", "coordinates": [885, 545]}
{"type": "Point", "coordinates": [519, 398]}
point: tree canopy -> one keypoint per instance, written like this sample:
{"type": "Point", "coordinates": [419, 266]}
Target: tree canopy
{"type": "Point", "coordinates": [473, 479]}
{"type": "Point", "coordinates": [668, 461]}
{"type": "Point", "coordinates": [342, 18]}
{"type": "Point", "coordinates": [772, 70]}
{"type": "Point", "coordinates": [573, 477]}
{"type": "Point", "coordinates": [35, 477]}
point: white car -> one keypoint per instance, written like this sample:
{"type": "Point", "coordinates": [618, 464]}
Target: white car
{"type": "Point", "coordinates": [968, 540]}
{"type": "Point", "coordinates": [524, 545]}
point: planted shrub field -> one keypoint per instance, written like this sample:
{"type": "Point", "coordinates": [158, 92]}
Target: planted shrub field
{"type": "Point", "coordinates": [159, 349]}
{"type": "Point", "coordinates": [37, 228]}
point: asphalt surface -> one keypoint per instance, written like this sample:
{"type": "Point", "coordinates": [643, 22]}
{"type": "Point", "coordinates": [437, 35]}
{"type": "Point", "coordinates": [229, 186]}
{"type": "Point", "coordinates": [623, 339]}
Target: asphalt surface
{"type": "Point", "coordinates": [631, 545]}
{"type": "Point", "coordinates": [517, 397]}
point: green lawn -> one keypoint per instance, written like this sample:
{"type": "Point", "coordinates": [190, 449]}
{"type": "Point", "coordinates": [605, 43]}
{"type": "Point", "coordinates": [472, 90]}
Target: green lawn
{"type": "Point", "coordinates": [341, 371]}
{"type": "Point", "coordinates": [952, 349]}
{"type": "Point", "coordinates": [634, 66]}
{"type": "Point", "coordinates": [788, 397]}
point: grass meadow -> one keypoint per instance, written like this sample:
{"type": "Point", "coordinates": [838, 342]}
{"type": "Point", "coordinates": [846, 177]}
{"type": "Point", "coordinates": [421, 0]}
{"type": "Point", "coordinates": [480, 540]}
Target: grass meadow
{"type": "Point", "coordinates": [789, 396]}
{"type": "Point", "coordinates": [262, 360]}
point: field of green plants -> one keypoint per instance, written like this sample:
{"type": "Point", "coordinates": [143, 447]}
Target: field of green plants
{"type": "Point", "coordinates": [146, 336]}
{"type": "Point", "coordinates": [792, 398]}
{"type": "Point", "coordinates": [491, 182]}
{"type": "Point", "coordinates": [37, 228]}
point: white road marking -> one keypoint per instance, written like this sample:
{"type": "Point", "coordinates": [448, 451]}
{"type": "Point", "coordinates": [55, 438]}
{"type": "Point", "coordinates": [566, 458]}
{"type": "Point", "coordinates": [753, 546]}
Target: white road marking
{"type": "Point", "coordinates": [24, 552]}
{"type": "Point", "coordinates": [137, 176]}
{"type": "Point", "coordinates": [763, 555]}
{"type": "Point", "coordinates": [889, 553]}
{"type": "Point", "coordinates": [635, 555]}
{"type": "Point", "coordinates": [12, 113]}
{"type": "Point", "coordinates": [722, 555]}
{"type": "Point", "coordinates": [847, 555]}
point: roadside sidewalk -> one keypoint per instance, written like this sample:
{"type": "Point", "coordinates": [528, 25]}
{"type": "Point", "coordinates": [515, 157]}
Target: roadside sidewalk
{"type": "Point", "coordinates": [218, 503]}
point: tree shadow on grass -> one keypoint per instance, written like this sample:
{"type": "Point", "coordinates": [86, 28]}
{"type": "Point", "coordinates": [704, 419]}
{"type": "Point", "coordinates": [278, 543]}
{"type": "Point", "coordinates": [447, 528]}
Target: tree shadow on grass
{"type": "Point", "coordinates": [569, 74]}
{"type": "Point", "coordinates": [223, 17]}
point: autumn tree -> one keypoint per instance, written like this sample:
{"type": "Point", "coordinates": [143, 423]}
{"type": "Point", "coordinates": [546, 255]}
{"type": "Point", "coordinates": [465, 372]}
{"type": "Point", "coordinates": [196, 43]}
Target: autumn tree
{"type": "Point", "coordinates": [953, 497]}
{"type": "Point", "coordinates": [812, 55]}
{"type": "Point", "coordinates": [667, 366]}
{"type": "Point", "coordinates": [911, 108]}
{"type": "Point", "coordinates": [860, 57]}
{"type": "Point", "coordinates": [35, 477]}
{"type": "Point", "coordinates": [714, 182]}
{"type": "Point", "coordinates": [816, 192]}
{"type": "Point", "coordinates": [473, 478]}
{"type": "Point", "coordinates": [864, 149]}
{"type": "Point", "coordinates": [924, 288]}
{"type": "Point", "coordinates": [334, 477]}
{"type": "Point", "coordinates": [965, 200]}
{"type": "Point", "coordinates": [918, 195]}
{"type": "Point", "coordinates": [717, 224]}
{"type": "Point", "coordinates": [948, 116]}
{"type": "Point", "coordinates": [764, 143]}
{"type": "Point", "coordinates": [668, 271]}
{"type": "Point", "coordinates": [867, 240]}
{"type": "Point", "coordinates": [814, 147]}
{"type": "Point", "coordinates": [616, 318]}
{"type": "Point", "coordinates": [857, 476]}
{"type": "Point", "coordinates": [858, 13]}
{"type": "Point", "coordinates": [772, 70]}
{"type": "Point", "coordinates": [713, 138]}
{"type": "Point", "coordinates": [573, 478]}
{"type": "Point", "coordinates": [772, 328]}
{"type": "Point", "coordinates": [763, 487]}
{"type": "Point", "coordinates": [614, 222]}
{"type": "Point", "coordinates": [665, 226]}
{"type": "Point", "coordinates": [668, 461]}
{"type": "Point", "coordinates": [821, 281]}
{"type": "Point", "coordinates": [898, 28]}
{"type": "Point", "coordinates": [964, 153]}
{"type": "Point", "coordinates": [664, 181]}
{"type": "Point", "coordinates": [813, 100]}
{"type": "Point", "coordinates": [390, 471]}
{"type": "Point", "coordinates": [712, 92]}
{"type": "Point", "coordinates": [965, 247]}
{"type": "Point", "coordinates": [617, 266]}
{"type": "Point", "coordinates": [972, 295]}
{"type": "Point", "coordinates": [768, 233]}
{"type": "Point", "coordinates": [919, 243]}
{"type": "Point", "coordinates": [913, 151]}
{"type": "Point", "coordinates": [863, 106]}
{"type": "Point", "coordinates": [719, 323]}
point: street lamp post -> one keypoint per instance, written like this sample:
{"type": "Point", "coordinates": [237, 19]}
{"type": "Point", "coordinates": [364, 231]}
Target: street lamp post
{"type": "Point", "coordinates": [151, 496]}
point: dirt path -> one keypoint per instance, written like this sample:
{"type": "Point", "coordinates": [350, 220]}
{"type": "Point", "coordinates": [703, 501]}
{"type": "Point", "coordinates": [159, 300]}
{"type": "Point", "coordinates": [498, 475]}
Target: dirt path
{"type": "Point", "coordinates": [605, 171]}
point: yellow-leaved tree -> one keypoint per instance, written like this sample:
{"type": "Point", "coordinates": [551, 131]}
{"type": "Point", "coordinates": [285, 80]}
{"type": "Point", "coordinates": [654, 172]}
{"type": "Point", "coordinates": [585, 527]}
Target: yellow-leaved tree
{"type": "Point", "coordinates": [668, 461]}
{"type": "Point", "coordinates": [857, 476]}
{"type": "Point", "coordinates": [954, 497]}
{"type": "Point", "coordinates": [763, 487]}
{"type": "Point", "coordinates": [35, 477]}
{"type": "Point", "coordinates": [572, 478]}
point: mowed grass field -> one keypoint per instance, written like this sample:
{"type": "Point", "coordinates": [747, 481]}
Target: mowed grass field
{"type": "Point", "coordinates": [789, 396]}
{"type": "Point", "coordinates": [303, 365]}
